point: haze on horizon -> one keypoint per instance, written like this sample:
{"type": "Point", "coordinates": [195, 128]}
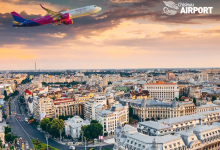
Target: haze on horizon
{"type": "Point", "coordinates": [125, 34]}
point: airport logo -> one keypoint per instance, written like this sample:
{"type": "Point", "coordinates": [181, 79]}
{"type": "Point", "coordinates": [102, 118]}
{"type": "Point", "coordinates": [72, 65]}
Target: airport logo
{"type": "Point", "coordinates": [185, 8]}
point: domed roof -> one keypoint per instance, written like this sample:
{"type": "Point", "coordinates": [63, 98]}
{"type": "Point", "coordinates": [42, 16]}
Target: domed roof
{"type": "Point", "coordinates": [174, 103]}
{"type": "Point", "coordinates": [143, 103]}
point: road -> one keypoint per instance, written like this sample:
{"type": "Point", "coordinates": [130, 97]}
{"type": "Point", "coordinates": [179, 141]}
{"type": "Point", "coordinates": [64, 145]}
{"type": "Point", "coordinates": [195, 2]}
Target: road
{"type": "Point", "coordinates": [28, 131]}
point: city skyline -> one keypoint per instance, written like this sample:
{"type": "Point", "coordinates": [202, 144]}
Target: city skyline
{"type": "Point", "coordinates": [125, 34]}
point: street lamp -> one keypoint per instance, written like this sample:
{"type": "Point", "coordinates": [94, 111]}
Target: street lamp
{"type": "Point", "coordinates": [47, 136]}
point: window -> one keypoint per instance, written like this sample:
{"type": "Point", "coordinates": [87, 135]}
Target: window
{"type": "Point", "coordinates": [165, 147]}
{"type": "Point", "coordinates": [170, 146]}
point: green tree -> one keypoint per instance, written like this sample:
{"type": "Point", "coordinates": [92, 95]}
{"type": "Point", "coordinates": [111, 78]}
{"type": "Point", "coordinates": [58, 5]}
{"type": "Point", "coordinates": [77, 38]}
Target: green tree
{"type": "Point", "coordinates": [1, 143]}
{"type": "Point", "coordinates": [214, 97]}
{"type": "Point", "coordinates": [194, 100]}
{"type": "Point", "coordinates": [135, 117]}
{"type": "Point", "coordinates": [10, 137]}
{"type": "Point", "coordinates": [48, 127]}
{"type": "Point", "coordinates": [5, 116]}
{"type": "Point", "coordinates": [130, 120]}
{"type": "Point", "coordinates": [92, 131]}
{"type": "Point", "coordinates": [44, 122]}
{"type": "Point", "coordinates": [130, 111]}
{"type": "Point", "coordinates": [54, 129]}
{"type": "Point", "coordinates": [94, 121]}
{"type": "Point", "coordinates": [152, 119]}
{"type": "Point", "coordinates": [158, 118]}
{"type": "Point", "coordinates": [6, 95]}
{"type": "Point", "coordinates": [60, 126]}
{"type": "Point", "coordinates": [83, 83]}
{"type": "Point", "coordinates": [7, 130]}
{"type": "Point", "coordinates": [147, 119]}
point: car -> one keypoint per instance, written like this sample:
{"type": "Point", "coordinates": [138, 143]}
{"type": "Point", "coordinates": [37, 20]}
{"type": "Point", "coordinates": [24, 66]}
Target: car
{"type": "Point", "coordinates": [18, 117]}
{"type": "Point", "coordinates": [72, 147]}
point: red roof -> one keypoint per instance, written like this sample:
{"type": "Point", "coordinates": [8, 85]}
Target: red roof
{"type": "Point", "coordinates": [66, 100]}
{"type": "Point", "coordinates": [27, 92]}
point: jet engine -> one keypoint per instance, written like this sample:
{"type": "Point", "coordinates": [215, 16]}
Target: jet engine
{"type": "Point", "coordinates": [68, 22]}
{"type": "Point", "coordinates": [66, 16]}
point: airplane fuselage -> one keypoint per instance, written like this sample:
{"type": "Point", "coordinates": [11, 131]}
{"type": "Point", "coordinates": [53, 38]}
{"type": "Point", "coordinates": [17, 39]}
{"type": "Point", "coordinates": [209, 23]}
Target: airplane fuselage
{"type": "Point", "coordinates": [67, 17]}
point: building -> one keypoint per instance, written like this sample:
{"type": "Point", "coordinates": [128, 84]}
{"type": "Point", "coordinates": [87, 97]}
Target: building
{"type": "Point", "coordinates": [100, 100]}
{"type": "Point", "coordinates": [73, 126]}
{"type": "Point", "coordinates": [192, 132]}
{"type": "Point", "coordinates": [201, 137]}
{"type": "Point", "coordinates": [148, 109]}
{"type": "Point", "coordinates": [67, 106]}
{"type": "Point", "coordinates": [43, 107]}
{"type": "Point", "coordinates": [170, 76]}
{"type": "Point", "coordinates": [2, 135]}
{"type": "Point", "coordinates": [55, 108]}
{"type": "Point", "coordinates": [109, 118]}
{"type": "Point", "coordinates": [162, 90]}
{"type": "Point", "coordinates": [91, 110]}
{"type": "Point", "coordinates": [207, 107]}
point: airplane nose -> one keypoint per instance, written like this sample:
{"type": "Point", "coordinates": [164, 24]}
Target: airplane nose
{"type": "Point", "coordinates": [99, 8]}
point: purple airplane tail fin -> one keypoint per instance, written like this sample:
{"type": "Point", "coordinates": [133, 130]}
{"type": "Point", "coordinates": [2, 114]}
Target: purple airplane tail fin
{"type": "Point", "coordinates": [17, 17]}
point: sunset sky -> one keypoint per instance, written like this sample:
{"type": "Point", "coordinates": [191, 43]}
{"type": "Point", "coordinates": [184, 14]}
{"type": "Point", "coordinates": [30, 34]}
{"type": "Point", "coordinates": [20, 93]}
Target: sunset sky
{"type": "Point", "coordinates": [125, 34]}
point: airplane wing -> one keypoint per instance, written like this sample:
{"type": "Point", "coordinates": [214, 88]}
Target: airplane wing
{"type": "Point", "coordinates": [55, 15]}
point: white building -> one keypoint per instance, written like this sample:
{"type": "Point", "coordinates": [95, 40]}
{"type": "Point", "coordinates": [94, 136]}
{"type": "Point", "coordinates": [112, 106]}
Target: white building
{"type": "Point", "coordinates": [91, 110]}
{"type": "Point", "coordinates": [73, 126]}
{"type": "Point", "coordinates": [100, 100]}
{"type": "Point", "coordinates": [161, 90]}
{"type": "Point", "coordinates": [199, 137]}
{"type": "Point", "coordinates": [109, 118]}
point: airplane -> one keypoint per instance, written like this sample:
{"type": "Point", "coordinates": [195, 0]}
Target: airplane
{"type": "Point", "coordinates": [55, 18]}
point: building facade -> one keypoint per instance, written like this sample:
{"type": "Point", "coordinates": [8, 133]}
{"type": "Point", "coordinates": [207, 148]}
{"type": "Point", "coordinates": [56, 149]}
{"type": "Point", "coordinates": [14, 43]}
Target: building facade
{"type": "Point", "coordinates": [162, 90]}
{"type": "Point", "coordinates": [109, 118]}
{"type": "Point", "coordinates": [148, 109]}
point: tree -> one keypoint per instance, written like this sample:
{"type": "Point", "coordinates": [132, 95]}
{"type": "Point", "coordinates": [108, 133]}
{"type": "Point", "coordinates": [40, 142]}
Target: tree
{"type": "Point", "coordinates": [1, 143]}
{"type": "Point", "coordinates": [130, 120]}
{"type": "Point", "coordinates": [7, 130]}
{"type": "Point", "coordinates": [48, 127]}
{"type": "Point", "coordinates": [158, 118]}
{"type": "Point", "coordinates": [44, 122]}
{"type": "Point", "coordinates": [94, 121]}
{"type": "Point", "coordinates": [15, 93]}
{"type": "Point", "coordinates": [135, 117]}
{"type": "Point", "coordinates": [147, 119]}
{"type": "Point", "coordinates": [6, 95]}
{"type": "Point", "coordinates": [60, 126]}
{"type": "Point", "coordinates": [214, 97]}
{"type": "Point", "coordinates": [92, 131]}
{"type": "Point", "coordinates": [109, 82]}
{"type": "Point", "coordinates": [83, 83]}
{"type": "Point", "coordinates": [5, 116]}
{"type": "Point", "coordinates": [194, 101]}
{"type": "Point", "coordinates": [130, 111]}
{"type": "Point", "coordinates": [10, 137]}
{"type": "Point", "coordinates": [152, 119]}
{"type": "Point", "coordinates": [54, 129]}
